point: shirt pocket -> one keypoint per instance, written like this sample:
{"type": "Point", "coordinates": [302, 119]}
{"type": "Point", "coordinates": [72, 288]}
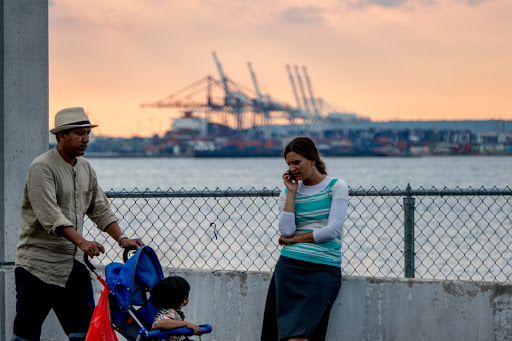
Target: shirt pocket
{"type": "Point", "coordinates": [87, 198]}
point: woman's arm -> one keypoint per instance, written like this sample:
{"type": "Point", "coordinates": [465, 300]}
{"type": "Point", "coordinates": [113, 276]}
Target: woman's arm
{"type": "Point", "coordinates": [286, 224]}
{"type": "Point", "coordinates": [334, 227]}
{"type": "Point", "coordinates": [289, 205]}
{"type": "Point", "coordinates": [299, 238]}
{"type": "Point", "coordinates": [337, 214]}
{"type": "Point", "coordinates": [292, 187]}
{"type": "Point", "coordinates": [335, 222]}
{"type": "Point", "coordinates": [328, 232]}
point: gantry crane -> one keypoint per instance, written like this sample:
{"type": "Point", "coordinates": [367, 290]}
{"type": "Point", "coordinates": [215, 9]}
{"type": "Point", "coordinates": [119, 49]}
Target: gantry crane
{"type": "Point", "coordinates": [236, 100]}
{"type": "Point", "coordinates": [311, 97]}
{"type": "Point", "coordinates": [301, 87]}
{"type": "Point", "coordinates": [294, 88]}
{"type": "Point", "coordinates": [258, 103]}
{"type": "Point", "coordinates": [228, 98]}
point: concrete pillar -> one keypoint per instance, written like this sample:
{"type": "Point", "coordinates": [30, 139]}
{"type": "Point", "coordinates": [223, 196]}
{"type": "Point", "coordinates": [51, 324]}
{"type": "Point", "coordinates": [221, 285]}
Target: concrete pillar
{"type": "Point", "coordinates": [23, 126]}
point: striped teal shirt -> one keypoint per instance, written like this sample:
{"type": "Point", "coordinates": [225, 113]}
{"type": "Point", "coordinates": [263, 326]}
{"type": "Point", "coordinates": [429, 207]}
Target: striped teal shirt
{"type": "Point", "coordinates": [312, 213]}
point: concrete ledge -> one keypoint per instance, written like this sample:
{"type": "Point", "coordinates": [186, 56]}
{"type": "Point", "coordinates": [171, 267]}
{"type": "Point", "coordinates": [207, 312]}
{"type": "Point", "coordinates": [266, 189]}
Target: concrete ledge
{"type": "Point", "coordinates": [408, 309]}
{"type": "Point", "coordinates": [367, 308]}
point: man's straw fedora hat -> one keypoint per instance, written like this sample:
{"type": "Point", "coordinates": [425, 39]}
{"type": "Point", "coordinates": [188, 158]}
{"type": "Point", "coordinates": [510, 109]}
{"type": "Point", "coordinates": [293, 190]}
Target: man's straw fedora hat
{"type": "Point", "coordinates": [71, 118]}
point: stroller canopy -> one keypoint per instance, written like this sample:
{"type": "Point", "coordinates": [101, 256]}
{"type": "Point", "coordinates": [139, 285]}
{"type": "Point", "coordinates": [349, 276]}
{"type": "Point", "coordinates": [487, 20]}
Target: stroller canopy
{"type": "Point", "coordinates": [129, 282]}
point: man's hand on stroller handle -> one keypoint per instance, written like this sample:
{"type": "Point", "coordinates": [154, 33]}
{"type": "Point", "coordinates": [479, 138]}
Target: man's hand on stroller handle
{"type": "Point", "coordinates": [91, 248]}
{"type": "Point", "coordinates": [94, 248]}
{"type": "Point", "coordinates": [132, 244]}
{"type": "Point", "coordinates": [126, 243]}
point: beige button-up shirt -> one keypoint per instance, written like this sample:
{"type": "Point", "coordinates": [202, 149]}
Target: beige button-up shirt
{"type": "Point", "coordinates": [57, 194]}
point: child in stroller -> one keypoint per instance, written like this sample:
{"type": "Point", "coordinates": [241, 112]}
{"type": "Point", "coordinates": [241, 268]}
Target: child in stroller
{"type": "Point", "coordinates": [172, 294]}
{"type": "Point", "coordinates": [131, 303]}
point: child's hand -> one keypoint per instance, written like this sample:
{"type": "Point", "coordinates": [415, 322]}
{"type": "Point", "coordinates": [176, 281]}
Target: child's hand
{"type": "Point", "coordinates": [194, 327]}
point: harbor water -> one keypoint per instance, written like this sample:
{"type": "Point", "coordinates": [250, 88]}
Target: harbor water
{"type": "Point", "coordinates": [259, 173]}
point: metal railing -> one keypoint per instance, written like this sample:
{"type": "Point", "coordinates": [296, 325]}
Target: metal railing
{"type": "Point", "coordinates": [424, 233]}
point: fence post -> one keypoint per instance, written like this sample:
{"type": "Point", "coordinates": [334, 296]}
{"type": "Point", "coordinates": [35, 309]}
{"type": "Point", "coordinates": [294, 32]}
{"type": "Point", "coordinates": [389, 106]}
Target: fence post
{"type": "Point", "coordinates": [409, 253]}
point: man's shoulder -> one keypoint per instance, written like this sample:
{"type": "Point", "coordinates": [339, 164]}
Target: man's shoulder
{"type": "Point", "coordinates": [44, 158]}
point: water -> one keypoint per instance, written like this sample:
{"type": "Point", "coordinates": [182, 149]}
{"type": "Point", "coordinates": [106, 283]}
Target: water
{"type": "Point", "coordinates": [258, 173]}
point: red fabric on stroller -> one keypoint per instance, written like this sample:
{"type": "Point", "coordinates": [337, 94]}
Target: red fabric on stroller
{"type": "Point", "coordinates": [100, 328]}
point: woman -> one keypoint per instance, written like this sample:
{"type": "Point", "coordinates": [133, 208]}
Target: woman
{"type": "Point", "coordinates": [307, 276]}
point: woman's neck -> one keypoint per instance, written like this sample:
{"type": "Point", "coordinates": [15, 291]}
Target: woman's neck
{"type": "Point", "coordinates": [314, 179]}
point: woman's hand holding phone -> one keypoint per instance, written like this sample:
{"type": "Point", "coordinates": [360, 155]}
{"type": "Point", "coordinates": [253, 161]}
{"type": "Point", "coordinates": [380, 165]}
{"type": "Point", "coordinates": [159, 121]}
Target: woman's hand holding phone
{"type": "Point", "coordinates": [290, 181]}
{"type": "Point", "coordinates": [291, 175]}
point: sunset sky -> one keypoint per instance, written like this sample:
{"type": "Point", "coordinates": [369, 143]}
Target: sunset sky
{"type": "Point", "coordinates": [382, 59]}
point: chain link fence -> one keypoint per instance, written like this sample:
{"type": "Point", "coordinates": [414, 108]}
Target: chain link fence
{"type": "Point", "coordinates": [424, 233]}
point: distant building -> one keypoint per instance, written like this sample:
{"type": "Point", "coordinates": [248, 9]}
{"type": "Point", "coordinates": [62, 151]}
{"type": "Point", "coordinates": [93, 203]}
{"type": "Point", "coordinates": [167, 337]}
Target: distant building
{"type": "Point", "coordinates": [191, 123]}
{"type": "Point", "coordinates": [344, 117]}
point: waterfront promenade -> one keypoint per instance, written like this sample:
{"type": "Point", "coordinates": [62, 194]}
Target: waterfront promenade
{"type": "Point", "coordinates": [367, 308]}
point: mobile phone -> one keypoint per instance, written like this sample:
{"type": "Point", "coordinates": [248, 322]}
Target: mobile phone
{"type": "Point", "coordinates": [291, 174]}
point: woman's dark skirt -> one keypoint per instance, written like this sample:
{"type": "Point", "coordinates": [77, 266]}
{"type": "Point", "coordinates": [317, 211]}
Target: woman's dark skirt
{"type": "Point", "coordinates": [299, 300]}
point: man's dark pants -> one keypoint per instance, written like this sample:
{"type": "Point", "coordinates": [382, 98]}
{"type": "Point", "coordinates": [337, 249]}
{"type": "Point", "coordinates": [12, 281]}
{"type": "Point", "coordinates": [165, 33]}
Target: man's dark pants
{"type": "Point", "coordinates": [73, 305]}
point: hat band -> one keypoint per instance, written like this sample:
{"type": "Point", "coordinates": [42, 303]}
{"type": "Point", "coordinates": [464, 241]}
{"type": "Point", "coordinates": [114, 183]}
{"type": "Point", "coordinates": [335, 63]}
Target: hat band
{"type": "Point", "coordinates": [75, 123]}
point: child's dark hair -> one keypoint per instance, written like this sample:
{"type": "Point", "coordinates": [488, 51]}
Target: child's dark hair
{"type": "Point", "coordinates": [170, 292]}
{"type": "Point", "coordinates": [306, 147]}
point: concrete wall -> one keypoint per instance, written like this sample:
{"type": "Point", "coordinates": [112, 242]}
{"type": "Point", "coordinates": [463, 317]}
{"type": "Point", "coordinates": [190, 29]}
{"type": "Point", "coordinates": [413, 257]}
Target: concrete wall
{"type": "Point", "coordinates": [23, 125]}
{"type": "Point", "coordinates": [367, 309]}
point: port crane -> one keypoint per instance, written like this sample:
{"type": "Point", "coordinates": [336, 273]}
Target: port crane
{"type": "Point", "coordinates": [301, 88]}
{"type": "Point", "coordinates": [236, 100]}
{"type": "Point", "coordinates": [265, 104]}
{"type": "Point", "coordinates": [206, 95]}
{"type": "Point", "coordinates": [294, 88]}
{"type": "Point", "coordinates": [315, 109]}
{"type": "Point", "coordinates": [259, 104]}
{"type": "Point", "coordinates": [310, 90]}
{"type": "Point", "coordinates": [227, 102]}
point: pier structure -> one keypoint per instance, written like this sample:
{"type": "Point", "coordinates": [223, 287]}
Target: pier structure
{"type": "Point", "coordinates": [23, 126]}
{"type": "Point", "coordinates": [367, 308]}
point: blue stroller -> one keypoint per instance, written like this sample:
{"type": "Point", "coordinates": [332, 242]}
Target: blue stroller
{"type": "Point", "coordinates": [131, 307]}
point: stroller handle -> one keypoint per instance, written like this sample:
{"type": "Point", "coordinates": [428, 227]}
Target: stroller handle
{"type": "Point", "coordinates": [92, 268]}
{"type": "Point", "coordinates": [88, 263]}
{"type": "Point", "coordinates": [126, 253]}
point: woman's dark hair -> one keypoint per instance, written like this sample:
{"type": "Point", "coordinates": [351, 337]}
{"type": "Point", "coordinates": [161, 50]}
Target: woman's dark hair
{"type": "Point", "coordinates": [306, 147]}
{"type": "Point", "coordinates": [170, 292]}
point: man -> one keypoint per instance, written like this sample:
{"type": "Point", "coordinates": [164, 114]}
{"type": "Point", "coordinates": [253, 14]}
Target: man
{"type": "Point", "coordinates": [61, 188]}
